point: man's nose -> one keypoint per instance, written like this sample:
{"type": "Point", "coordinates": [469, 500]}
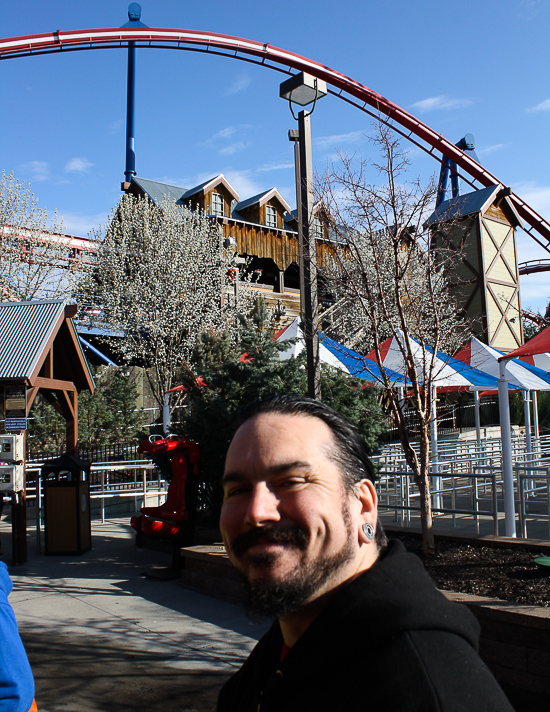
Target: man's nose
{"type": "Point", "coordinates": [263, 506]}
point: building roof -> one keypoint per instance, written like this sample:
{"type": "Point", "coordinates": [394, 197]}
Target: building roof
{"type": "Point", "coordinates": [157, 191]}
{"type": "Point", "coordinates": [28, 331]}
{"type": "Point", "coordinates": [475, 202]}
{"type": "Point", "coordinates": [210, 185]}
{"type": "Point", "coordinates": [262, 199]}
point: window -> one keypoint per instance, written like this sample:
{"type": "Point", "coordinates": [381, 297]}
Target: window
{"type": "Point", "coordinates": [317, 229]}
{"type": "Point", "coordinates": [217, 204]}
{"type": "Point", "coordinates": [270, 216]}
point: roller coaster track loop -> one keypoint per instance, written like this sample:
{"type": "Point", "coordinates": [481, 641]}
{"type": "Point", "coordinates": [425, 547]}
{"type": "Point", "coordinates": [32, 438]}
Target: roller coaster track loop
{"type": "Point", "coordinates": [266, 55]}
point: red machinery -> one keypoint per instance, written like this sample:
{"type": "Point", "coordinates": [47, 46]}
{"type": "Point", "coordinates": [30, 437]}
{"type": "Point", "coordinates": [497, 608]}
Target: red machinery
{"type": "Point", "coordinates": [175, 519]}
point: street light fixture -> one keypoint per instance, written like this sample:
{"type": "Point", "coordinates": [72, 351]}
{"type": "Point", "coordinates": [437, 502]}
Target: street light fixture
{"type": "Point", "coordinates": [304, 89]}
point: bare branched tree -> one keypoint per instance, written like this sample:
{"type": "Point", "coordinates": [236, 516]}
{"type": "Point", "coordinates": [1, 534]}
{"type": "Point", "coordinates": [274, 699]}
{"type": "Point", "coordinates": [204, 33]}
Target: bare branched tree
{"type": "Point", "coordinates": [388, 283]}
{"type": "Point", "coordinates": [160, 279]}
{"type": "Point", "coordinates": [35, 260]}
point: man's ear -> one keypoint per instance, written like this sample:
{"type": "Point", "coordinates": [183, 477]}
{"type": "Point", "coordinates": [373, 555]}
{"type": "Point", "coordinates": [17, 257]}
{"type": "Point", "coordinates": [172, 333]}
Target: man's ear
{"type": "Point", "coordinates": [366, 494]}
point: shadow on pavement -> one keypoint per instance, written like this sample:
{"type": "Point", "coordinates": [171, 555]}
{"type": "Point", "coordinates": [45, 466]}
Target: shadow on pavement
{"type": "Point", "coordinates": [90, 675]}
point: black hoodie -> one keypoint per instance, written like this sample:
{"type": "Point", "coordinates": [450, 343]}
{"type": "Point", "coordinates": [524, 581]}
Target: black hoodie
{"type": "Point", "coordinates": [388, 641]}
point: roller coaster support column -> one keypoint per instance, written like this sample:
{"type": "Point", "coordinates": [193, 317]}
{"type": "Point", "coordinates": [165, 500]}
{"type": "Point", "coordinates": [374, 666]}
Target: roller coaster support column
{"type": "Point", "coordinates": [466, 144]}
{"type": "Point", "coordinates": [134, 20]}
{"type": "Point", "coordinates": [130, 106]}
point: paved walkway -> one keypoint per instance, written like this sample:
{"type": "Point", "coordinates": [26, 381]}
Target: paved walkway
{"type": "Point", "coordinates": [101, 636]}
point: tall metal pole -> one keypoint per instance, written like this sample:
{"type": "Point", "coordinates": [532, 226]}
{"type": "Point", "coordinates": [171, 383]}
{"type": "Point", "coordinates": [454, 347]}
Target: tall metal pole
{"type": "Point", "coordinates": [294, 135]}
{"type": "Point", "coordinates": [435, 454]}
{"type": "Point", "coordinates": [311, 311]}
{"type": "Point", "coordinates": [478, 420]}
{"type": "Point", "coordinates": [130, 121]}
{"type": "Point", "coordinates": [506, 443]}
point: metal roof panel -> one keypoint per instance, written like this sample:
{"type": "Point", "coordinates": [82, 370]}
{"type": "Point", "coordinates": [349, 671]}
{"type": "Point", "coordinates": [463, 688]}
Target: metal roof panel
{"type": "Point", "coordinates": [25, 328]}
{"type": "Point", "coordinates": [157, 191]}
{"type": "Point", "coordinates": [466, 204]}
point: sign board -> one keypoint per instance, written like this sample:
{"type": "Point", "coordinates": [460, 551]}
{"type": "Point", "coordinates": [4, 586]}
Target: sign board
{"type": "Point", "coordinates": [15, 402]}
{"type": "Point", "coordinates": [15, 424]}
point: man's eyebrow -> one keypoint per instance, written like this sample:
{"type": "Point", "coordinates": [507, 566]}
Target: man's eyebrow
{"type": "Point", "coordinates": [279, 469]}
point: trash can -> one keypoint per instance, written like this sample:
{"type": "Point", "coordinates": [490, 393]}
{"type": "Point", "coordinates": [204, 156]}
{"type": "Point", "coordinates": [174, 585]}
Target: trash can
{"type": "Point", "coordinates": [68, 525]}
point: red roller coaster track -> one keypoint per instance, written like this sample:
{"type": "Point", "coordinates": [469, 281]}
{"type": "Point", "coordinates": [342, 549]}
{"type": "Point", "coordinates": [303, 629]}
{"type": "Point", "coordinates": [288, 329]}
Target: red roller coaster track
{"type": "Point", "coordinates": [281, 60]}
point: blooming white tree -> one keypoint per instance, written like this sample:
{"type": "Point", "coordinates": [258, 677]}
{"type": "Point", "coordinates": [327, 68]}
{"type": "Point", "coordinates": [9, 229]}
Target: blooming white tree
{"type": "Point", "coordinates": [389, 282]}
{"type": "Point", "coordinates": [35, 258]}
{"type": "Point", "coordinates": [160, 279]}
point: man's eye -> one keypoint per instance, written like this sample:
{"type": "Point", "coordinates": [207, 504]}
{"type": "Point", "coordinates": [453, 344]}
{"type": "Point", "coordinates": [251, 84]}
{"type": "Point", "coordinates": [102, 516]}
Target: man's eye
{"type": "Point", "coordinates": [236, 491]}
{"type": "Point", "coordinates": [289, 484]}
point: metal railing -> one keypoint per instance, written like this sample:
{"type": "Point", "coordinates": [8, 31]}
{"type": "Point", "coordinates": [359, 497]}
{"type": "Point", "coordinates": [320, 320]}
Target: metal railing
{"type": "Point", "coordinates": [471, 494]}
{"type": "Point", "coordinates": [466, 483]}
{"type": "Point", "coordinates": [108, 481]}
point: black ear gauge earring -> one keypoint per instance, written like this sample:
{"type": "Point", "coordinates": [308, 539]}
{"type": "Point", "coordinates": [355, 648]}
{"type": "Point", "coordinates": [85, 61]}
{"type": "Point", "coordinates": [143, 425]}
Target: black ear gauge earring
{"type": "Point", "coordinates": [368, 530]}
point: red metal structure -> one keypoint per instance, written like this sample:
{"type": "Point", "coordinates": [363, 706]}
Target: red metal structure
{"type": "Point", "coordinates": [534, 266]}
{"type": "Point", "coordinates": [173, 520]}
{"type": "Point", "coordinates": [281, 60]}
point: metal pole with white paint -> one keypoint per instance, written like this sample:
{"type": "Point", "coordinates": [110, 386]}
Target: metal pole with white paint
{"type": "Point", "coordinates": [506, 444]}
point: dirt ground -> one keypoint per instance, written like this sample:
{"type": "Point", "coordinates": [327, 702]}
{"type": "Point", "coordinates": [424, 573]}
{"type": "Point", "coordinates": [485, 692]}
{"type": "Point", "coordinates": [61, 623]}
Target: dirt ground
{"type": "Point", "coordinates": [509, 574]}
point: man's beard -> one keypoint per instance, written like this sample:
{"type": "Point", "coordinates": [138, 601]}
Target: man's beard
{"type": "Point", "coordinates": [278, 598]}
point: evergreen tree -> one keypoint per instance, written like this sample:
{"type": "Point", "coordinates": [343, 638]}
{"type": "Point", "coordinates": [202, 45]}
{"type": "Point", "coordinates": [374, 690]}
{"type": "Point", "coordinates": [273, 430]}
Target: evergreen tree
{"type": "Point", "coordinates": [106, 416]}
{"type": "Point", "coordinates": [120, 396]}
{"type": "Point", "coordinates": [256, 371]}
{"type": "Point", "coordinates": [46, 429]}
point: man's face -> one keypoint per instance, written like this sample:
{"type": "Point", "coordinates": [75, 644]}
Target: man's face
{"type": "Point", "coordinates": [287, 523]}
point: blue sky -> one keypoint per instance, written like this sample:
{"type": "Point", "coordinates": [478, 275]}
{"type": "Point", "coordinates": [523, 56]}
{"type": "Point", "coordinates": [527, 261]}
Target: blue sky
{"type": "Point", "coordinates": [461, 67]}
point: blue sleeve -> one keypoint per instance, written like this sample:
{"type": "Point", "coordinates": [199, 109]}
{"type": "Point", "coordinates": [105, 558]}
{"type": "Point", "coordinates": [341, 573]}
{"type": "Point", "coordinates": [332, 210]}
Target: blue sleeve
{"type": "Point", "coordinates": [16, 680]}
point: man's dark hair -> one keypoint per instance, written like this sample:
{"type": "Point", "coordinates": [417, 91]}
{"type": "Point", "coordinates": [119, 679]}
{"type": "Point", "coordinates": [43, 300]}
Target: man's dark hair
{"type": "Point", "coordinates": [351, 452]}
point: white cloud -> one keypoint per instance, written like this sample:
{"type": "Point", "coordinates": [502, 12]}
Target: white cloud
{"type": "Point", "coordinates": [233, 148]}
{"type": "Point", "coordinates": [78, 165]}
{"type": "Point", "coordinates": [38, 170]}
{"type": "Point", "coordinates": [337, 140]}
{"type": "Point", "coordinates": [115, 126]}
{"type": "Point", "coordinates": [274, 167]}
{"type": "Point", "coordinates": [244, 183]}
{"type": "Point", "coordinates": [217, 139]}
{"type": "Point", "coordinates": [240, 84]}
{"type": "Point", "coordinates": [537, 196]}
{"type": "Point", "coordinates": [227, 132]}
{"type": "Point", "coordinates": [440, 103]}
{"type": "Point", "coordinates": [490, 149]}
{"type": "Point", "coordinates": [543, 106]}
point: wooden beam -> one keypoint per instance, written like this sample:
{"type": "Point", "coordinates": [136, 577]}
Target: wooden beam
{"type": "Point", "coordinates": [68, 399]}
{"type": "Point", "coordinates": [53, 384]}
{"type": "Point", "coordinates": [72, 425]}
{"type": "Point", "coordinates": [31, 395]}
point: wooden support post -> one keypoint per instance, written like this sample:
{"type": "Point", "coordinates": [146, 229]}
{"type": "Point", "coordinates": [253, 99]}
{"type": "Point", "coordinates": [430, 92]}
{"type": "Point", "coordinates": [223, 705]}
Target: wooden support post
{"type": "Point", "coordinates": [19, 528]}
{"type": "Point", "coordinates": [72, 423]}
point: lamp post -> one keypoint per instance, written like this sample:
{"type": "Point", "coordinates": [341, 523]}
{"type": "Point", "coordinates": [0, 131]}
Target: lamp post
{"type": "Point", "coordinates": [303, 89]}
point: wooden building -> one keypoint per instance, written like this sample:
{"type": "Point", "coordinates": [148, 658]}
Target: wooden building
{"type": "Point", "coordinates": [262, 228]}
{"type": "Point", "coordinates": [480, 227]}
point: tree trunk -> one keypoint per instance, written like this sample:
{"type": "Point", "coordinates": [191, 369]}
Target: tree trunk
{"type": "Point", "coordinates": [426, 520]}
{"type": "Point", "coordinates": [423, 481]}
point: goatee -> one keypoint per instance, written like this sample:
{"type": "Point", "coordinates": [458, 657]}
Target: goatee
{"type": "Point", "coordinates": [280, 597]}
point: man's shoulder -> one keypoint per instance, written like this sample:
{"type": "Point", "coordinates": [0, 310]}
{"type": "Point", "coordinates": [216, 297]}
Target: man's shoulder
{"type": "Point", "coordinates": [241, 691]}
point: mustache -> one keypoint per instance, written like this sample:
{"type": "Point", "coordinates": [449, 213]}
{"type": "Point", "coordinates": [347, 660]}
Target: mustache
{"type": "Point", "coordinates": [293, 536]}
